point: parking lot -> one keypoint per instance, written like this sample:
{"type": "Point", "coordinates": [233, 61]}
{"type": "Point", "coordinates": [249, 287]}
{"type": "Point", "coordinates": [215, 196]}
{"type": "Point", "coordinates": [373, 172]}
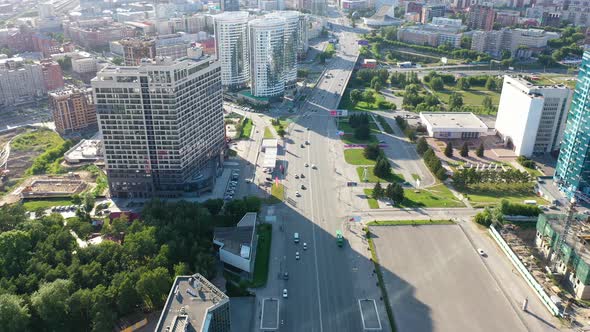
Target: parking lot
{"type": "Point", "coordinates": [436, 281]}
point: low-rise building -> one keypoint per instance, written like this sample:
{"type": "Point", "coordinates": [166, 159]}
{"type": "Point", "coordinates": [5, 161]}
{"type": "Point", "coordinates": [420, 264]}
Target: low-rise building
{"type": "Point", "coordinates": [195, 304]}
{"type": "Point", "coordinates": [86, 151]}
{"type": "Point", "coordinates": [514, 40]}
{"type": "Point", "coordinates": [237, 245]}
{"type": "Point", "coordinates": [431, 35]}
{"type": "Point", "coordinates": [531, 118]}
{"type": "Point", "coordinates": [573, 258]}
{"type": "Point", "coordinates": [453, 125]}
{"type": "Point", "coordinates": [84, 65]}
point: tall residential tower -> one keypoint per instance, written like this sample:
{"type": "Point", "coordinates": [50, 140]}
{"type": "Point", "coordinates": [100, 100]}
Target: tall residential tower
{"type": "Point", "coordinates": [267, 56]}
{"type": "Point", "coordinates": [162, 126]}
{"type": "Point", "coordinates": [573, 165]}
{"type": "Point", "coordinates": [231, 40]}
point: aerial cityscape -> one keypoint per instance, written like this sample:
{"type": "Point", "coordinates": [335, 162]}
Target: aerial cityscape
{"type": "Point", "coordinates": [282, 165]}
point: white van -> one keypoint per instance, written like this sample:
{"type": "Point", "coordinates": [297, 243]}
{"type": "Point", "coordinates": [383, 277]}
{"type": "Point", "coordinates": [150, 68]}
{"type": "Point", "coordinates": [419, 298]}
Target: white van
{"type": "Point", "coordinates": [296, 237]}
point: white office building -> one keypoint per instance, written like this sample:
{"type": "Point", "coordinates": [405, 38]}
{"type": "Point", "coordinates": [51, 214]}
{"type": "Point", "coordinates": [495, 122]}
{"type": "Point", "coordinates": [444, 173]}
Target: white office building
{"type": "Point", "coordinates": [231, 36]}
{"type": "Point", "coordinates": [532, 118]}
{"type": "Point", "coordinates": [267, 56]}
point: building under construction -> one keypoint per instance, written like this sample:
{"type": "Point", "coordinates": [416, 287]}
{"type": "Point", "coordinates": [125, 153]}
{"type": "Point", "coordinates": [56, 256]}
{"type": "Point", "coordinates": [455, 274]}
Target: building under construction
{"type": "Point", "coordinates": [571, 255]}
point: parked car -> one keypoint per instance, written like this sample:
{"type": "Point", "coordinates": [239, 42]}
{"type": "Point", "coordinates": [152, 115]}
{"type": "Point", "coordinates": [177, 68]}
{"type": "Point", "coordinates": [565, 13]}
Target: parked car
{"type": "Point", "coordinates": [481, 252]}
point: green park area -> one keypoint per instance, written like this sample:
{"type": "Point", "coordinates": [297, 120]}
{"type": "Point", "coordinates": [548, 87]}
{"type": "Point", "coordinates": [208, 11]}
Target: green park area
{"type": "Point", "coordinates": [33, 205]}
{"type": "Point", "coordinates": [433, 197]}
{"type": "Point", "coordinates": [357, 157]}
{"type": "Point", "coordinates": [472, 97]}
{"type": "Point", "coordinates": [39, 140]}
{"type": "Point", "coordinates": [247, 126]}
{"type": "Point", "coordinates": [373, 204]}
{"type": "Point", "coordinates": [491, 194]}
{"type": "Point", "coordinates": [372, 104]}
{"type": "Point", "coordinates": [262, 255]}
{"type": "Point", "coordinates": [372, 178]}
{"type": "Point", "coordinates": [350, 139]}
{"type": "Point", "coordinates": [344, 126]}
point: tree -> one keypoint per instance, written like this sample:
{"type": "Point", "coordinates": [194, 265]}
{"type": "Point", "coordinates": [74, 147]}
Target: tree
{"type": "Point", "coordinates": [368, 96]}
{"type": "Point", "coordinates": [382, 168]}
{"type": "Point", "coordinates": [14, 314]}
{"type": "Point", "coordinates": [153, 286]}
{"type": "Point", "coordinates": [466, 43]}
{"type": "Point", "coordinates": [436, 84]}
{"type": "Point", "coordinates": [378, 191]}
{"type": "Point", "coordinates": [449, 150]}
{"type": "Point", "coordinates": [464, 150]}
{"type": "Point", "coordinates": [441, 174]}
{"type": "Point", "coordinates": [463, 83]}
{"type": "Point", "coordinates": [88, 202]}
{"type": "Point", "coordinates": [421, 146]}
{"type": "Point", "coordinates": [455, 101]}
{"type": "Point", "coordinates": [377, 86]}
{"type": "Point", "coordinates": [50, 303]}
{"type": "Point", "coordinates": [15, 246]}
{"type": "Point", "coordinates": [65, 63]}
{"type": "Point", "coordinates": [390, 192]}
{"type": "Point", "coordinates": [117, 61]}
{"type": "Point", "coordinates": [491, 84]}
{"type": "Point", "coordinates": [487, 104]}
{"type": "Point", "coordinates": [375, 80]}
{"type": "Point", "coordinates": [362, 132]}
{"type": "Point", "coordinates": [281, 131]}
{"type": "Point", "coordinates": [372, 151]}
{"type": "Point", "coordinates": [355, 96]}
{"type": "Point", "coordinates": [479, 151]}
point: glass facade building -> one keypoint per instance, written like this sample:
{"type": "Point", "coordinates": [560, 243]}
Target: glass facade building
{"type": "Point", "coordinates": [573, 165]}
{"type": "Point", "coordinates": [231, 42]}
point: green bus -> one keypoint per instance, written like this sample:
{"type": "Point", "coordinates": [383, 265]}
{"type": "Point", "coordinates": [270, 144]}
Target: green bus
{"type": "Point", "coordinates": [339, 238]}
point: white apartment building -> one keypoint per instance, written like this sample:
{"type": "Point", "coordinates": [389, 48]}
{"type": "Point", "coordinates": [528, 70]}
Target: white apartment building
{"type": "Point", "coordinates": [231, 36]}
{"type": "Point", "coordinates": [532, 117]}
{"type": "Point", "coordinates": [494, 42]}
{"type": "Point", "coordinates": [162, 126]}
{"type": "Point", "coordinates": [267, 56]}
{"type": "Point", "coordinates": [84, 65]}
{"type": "Point", "coordinates": [291, 45]}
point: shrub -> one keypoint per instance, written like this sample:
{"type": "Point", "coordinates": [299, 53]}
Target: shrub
{"type": "Point", "coordinates": [449, 150]}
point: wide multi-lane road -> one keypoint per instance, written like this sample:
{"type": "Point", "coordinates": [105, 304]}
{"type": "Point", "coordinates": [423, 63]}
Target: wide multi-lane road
{"type": "Point", "coordinates": [326, 283]}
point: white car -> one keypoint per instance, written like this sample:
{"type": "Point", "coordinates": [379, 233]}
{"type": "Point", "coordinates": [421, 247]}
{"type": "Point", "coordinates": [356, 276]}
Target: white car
{"type": "Point", "coordinates": [481, 252]}
{"type": "Point", "coordinates": [285, 295]}
{"type": "Point", "coordinates": [304, 246]}
{"type": "Point", "coordinates": [297, 194]}
{"type": "Point", "coordinates": [297, 255]}
{"type": "Point", "coordinates": [306, 165]}
{"type": "Point", "coordinates": [313, 167]}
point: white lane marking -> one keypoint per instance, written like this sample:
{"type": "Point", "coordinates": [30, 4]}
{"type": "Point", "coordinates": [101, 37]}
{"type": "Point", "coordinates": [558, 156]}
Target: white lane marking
{"type": "Point", "coordinates": [376, 312]}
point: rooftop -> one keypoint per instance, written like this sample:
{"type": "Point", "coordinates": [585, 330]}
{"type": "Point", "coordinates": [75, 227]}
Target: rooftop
{"type": "Point", "coordinates": [458, 120]}
{"type": "Point", "coordinates": [190, 300]}
{"type": "Point", "coordinates": [237, 240]}
{"type": "Point", "coordinates": [90, 150]}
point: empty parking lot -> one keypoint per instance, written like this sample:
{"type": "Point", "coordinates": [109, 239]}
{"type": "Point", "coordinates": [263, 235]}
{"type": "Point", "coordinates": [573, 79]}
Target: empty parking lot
{"type": "Point", "coordinates": [436, 281]}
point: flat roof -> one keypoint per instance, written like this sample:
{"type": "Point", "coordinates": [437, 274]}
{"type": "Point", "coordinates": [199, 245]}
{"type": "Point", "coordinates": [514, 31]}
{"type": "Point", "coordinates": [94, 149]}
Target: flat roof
{"type": "Point", "coordinates": [270, 142]}
{"type": "Point", "coordinates": [270, 157]}
{"type": "Point", "coordinates": [87, 149]}
{"type": "Point", "coordinates": [240, 239]}
{"type": "Point", "coordinates": [454, 120]}
{"type": "Point", "coordinates": [189, 302]}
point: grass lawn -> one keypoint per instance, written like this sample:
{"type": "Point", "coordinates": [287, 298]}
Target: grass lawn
{"type": "Point", "coordinates": [32, 205]}
{"type": "Point", "coordinates": [268, 133]}
{"type": "Point", "coordinates": [373, 204]}
{"type": "Point", "coordinates": [533, 171]}
{"type": "Point", "coordinates": [350, 139]}
{"type": "Point", "coordinates": [486, 194]}
{"type": "Point", "coordinates": [356, 157]}
{"type": "Point", "coordinates": [39, 140]}
{"type": "Point", "coordinates": [262, 255]}
{"type": "Point", "coordinates": [346, 128]}
{"type": "Point", "coordinates": [283, 123]}
{"type": "Point", "coordinates": [473, 97]}
{"type": "Point", "coordinates": [278, 191]}
{"type": "Point", "coordinates": [435, 196]}
{"type": "Point", "coordinates": [246, 128]}
{"type": "Point", "coordinates": [409, 222]}
{"type": "Point", "coordinates": [345, 103]}
{"type": "Point", "coordinates": [372, 178]}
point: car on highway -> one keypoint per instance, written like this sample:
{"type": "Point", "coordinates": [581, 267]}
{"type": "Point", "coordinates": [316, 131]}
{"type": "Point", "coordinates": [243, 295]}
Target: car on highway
{"type": "Point", "coordinates": [285, 295]}
{"type": "Point", "coordinates": [307, 142]}
{"type": "Point", "coordinates": [304, 246]}
{"type": "Point", "coordinates": [297, 194]}
{"type": "Point", "coordinates": [303, 187]}
{"type": "Point", "coordinates": [297, 255]}
{"type": "Point", "coordinates": [306, 165]}
{"type": "Point", "coordinates": [286, 275]}
{"type": "Point", "coordinates": [481, 252]}
{"type": "Point", "coordinates": [313, 167]}
{"type": "Point", "coordinates": [297, 176]}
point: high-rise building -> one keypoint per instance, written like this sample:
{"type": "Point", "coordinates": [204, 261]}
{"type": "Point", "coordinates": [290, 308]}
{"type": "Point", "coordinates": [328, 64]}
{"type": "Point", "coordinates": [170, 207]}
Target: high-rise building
{"type": "Point", "coordinates": [231, 36]}
{"type": "Point", "coordinates": [572, 172]}
{"type": "Point", "coordinates": [532, 117]}
{"type": "Point", "coordinates": [481, 17]}
{"type": "Point", "coordinates": [303, 43]}
{"type": "Point", "coordinates": [162, 126]}
{"type": "Point", "coordinates": [136, 49]}
{"type": "Point", "coordinates": [52, 74]}
{"type": "Point", "coordinates": [73, 110]}
{"type": "Point", "coordinates": [267, 56]}
{"type": "Point", "coordinates": [230, 5]}
{"type": "Point", "coordinates": [291, 45]}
